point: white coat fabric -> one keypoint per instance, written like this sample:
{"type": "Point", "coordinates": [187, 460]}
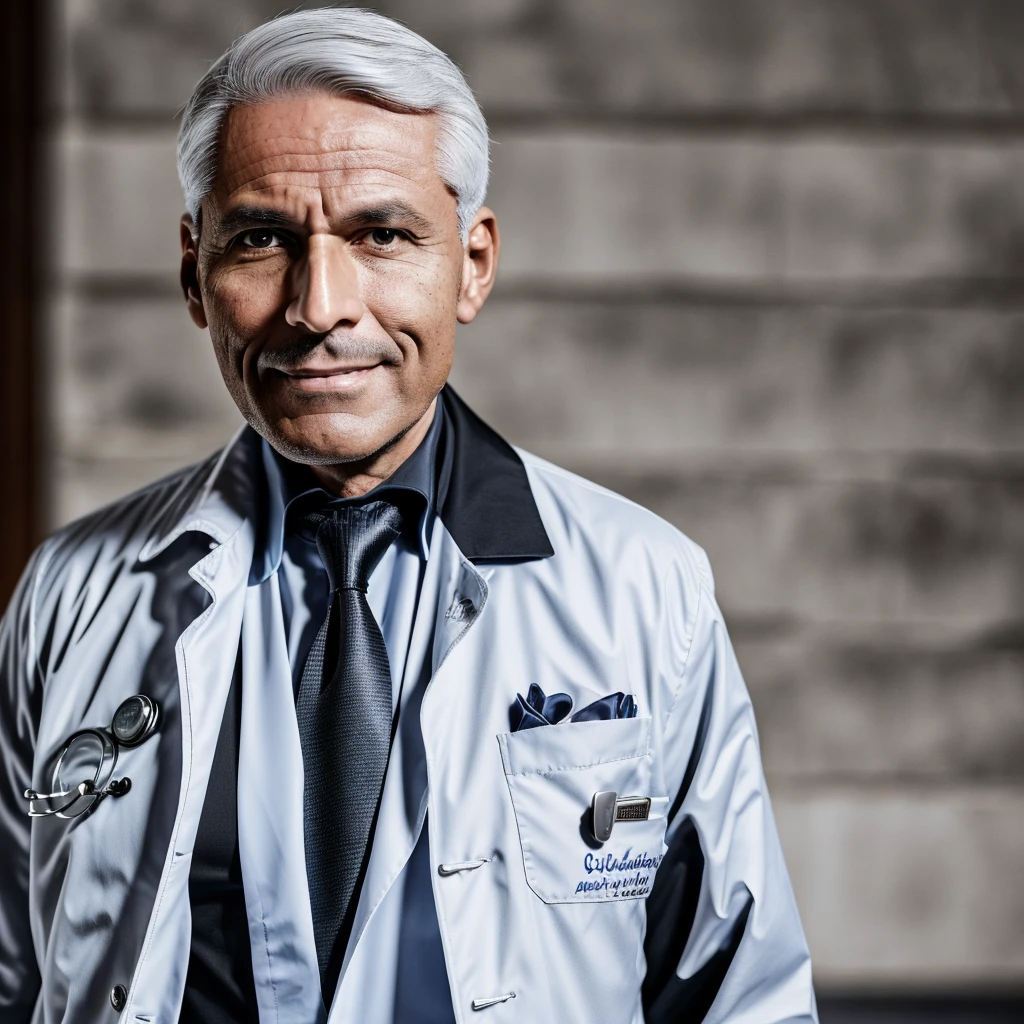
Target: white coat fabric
{"type": "Point", "coordinates": [534, 576]}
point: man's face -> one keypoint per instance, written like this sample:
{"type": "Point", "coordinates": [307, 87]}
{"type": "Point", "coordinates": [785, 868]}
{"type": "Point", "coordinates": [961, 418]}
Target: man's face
{"type": "Point", "coordinates": [330, 271]}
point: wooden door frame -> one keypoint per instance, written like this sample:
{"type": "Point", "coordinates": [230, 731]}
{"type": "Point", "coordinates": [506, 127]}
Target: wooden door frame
{"type": "Point", "coordinates": [21, 513]}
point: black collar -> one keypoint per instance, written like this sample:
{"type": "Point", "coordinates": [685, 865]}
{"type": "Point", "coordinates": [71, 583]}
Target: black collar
{"type": "Point", "coordinates": [487, 505]}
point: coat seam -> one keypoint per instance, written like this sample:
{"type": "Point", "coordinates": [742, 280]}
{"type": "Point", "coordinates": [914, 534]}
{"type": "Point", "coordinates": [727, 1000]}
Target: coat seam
{"type": "Point", "coordinates": [701, 594]}
{"type": "Point", "coordinates": [557, 769]}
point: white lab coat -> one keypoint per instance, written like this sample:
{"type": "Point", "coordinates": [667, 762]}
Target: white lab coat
{"type": "Point", "coordinates": [147, 596]}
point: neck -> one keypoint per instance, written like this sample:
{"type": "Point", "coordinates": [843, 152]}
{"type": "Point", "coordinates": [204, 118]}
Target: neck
{"type": "Point", "coordinates": [354, 479]}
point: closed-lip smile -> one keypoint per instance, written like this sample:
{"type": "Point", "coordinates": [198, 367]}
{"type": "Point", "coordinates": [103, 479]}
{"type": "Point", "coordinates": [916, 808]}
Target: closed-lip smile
{"type": "Point", "coordinates": [329, 378]}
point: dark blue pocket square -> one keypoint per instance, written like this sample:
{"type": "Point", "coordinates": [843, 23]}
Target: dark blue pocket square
{"type": "Point", "coordinates": [539, 709]}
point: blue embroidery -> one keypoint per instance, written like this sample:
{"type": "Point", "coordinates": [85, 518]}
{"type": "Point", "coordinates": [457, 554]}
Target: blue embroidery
{"type": "Point", "coordinates": [609, 862]}
{"type": "Point", "coordinates": [632, 874]}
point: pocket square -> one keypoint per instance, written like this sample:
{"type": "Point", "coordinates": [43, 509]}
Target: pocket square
{"type": "Point", "coordinates": [539, 709]}
{"type": "Point", "coordinates": [615, 705]}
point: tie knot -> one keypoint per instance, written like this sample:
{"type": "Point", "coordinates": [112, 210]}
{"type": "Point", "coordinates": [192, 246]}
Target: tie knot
{"type": "Point", "coordinates": [352, 540]}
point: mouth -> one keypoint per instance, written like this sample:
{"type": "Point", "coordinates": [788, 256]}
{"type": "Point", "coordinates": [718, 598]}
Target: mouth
{"type": "Point", "coordinates": [338, 378]}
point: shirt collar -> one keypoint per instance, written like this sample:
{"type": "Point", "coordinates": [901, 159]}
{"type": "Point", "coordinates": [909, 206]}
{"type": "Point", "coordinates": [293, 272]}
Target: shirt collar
{"type": "Point", "coordinates": [419, 483]}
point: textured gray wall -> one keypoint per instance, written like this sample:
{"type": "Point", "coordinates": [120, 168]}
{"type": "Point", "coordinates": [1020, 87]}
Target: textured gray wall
{"type": "Point", "coordinates": [762, 273]}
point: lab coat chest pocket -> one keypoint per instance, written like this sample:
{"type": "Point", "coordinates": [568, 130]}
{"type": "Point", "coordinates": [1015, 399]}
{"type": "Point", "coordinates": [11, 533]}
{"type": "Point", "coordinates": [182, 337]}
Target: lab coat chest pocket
{"type": "Point", "coordinates": [553, 773]}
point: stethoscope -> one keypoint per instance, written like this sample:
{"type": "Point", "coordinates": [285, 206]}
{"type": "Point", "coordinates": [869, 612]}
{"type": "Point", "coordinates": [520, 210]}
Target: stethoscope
{"type": "Point", "coordinates": [85, 764]}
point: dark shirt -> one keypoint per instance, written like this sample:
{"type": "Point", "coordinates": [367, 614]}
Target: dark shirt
{"type": "Point", "coordinates": [219, 987]}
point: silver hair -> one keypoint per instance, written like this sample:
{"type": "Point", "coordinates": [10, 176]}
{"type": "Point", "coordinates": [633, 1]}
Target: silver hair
{"type": "Point", "coordinates": [339, 50]}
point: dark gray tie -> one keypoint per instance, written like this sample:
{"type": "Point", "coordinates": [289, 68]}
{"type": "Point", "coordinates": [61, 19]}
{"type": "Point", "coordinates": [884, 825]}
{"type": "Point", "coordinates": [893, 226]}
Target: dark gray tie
{"type": "Point", "coordinates": [344, 710]}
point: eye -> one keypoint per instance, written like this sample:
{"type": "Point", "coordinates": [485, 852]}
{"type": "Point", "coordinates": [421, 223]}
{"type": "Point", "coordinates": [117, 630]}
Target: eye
{"type": "Point", "coordinates": [260, 238]}
{"type": "Point", "coordinates": [383, 238]}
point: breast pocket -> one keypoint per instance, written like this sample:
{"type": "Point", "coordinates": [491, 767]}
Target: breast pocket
{"type": "Point", "coordinates": [553, 773]}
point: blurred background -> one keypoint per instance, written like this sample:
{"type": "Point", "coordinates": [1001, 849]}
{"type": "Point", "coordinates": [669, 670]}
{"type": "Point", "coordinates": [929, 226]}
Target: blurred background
{"type": "Point", "coordinates": [762, 272]}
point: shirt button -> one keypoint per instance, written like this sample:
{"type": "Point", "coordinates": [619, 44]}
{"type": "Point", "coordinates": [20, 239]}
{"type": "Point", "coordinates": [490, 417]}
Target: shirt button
{"type": "Point", "coordinates": [118, 997]}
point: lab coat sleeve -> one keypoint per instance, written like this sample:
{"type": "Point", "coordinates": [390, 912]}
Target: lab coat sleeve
{"type": "Point", "coordinates": [724, 939]}
{"type": "Point", "coordinates": [20, 700]}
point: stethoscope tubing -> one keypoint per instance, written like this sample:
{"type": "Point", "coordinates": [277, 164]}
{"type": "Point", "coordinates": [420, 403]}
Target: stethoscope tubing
{"type": "Point", "coordinates": [73, 802]}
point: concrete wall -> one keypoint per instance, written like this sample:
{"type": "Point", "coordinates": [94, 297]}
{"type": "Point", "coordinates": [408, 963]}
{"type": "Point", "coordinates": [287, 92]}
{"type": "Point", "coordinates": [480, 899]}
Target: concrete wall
{"type": "Point", "coordinates": [762, 273]}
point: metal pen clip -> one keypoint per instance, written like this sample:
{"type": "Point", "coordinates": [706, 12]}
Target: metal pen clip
{"type": "Point", "coordinates": [606, 808]}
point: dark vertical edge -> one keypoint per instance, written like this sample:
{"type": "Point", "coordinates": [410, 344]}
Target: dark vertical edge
{"type": "Point", "coordinates": [20, 170]}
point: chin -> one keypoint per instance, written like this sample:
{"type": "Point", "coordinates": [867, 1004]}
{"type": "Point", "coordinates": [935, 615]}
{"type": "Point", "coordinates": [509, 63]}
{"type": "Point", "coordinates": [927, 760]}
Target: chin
{"type": "Point", "coordinates": [329, 439]}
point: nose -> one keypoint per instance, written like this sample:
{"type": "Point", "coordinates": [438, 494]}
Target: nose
{"type": "Point", "coordinates": [325, 288]}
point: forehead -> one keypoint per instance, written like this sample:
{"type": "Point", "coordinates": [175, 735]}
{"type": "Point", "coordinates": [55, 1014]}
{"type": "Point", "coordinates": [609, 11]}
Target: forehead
{"type": "Point", "coordinates": [339, 146]}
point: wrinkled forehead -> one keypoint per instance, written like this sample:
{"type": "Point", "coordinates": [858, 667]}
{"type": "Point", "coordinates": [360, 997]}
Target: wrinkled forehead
{"type": "Point", "coordinates": [325, 143]}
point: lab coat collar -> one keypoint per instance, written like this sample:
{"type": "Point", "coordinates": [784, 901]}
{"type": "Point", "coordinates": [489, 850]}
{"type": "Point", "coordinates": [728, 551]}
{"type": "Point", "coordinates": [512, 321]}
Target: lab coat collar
{"type": "Point", "coordinates": [216, 497]}
{"type": "Point", "coordinates": [488, 506]}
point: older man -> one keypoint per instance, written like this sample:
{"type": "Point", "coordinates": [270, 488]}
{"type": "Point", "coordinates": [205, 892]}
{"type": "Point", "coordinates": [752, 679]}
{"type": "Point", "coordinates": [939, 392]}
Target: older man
{"type": "Point", "coordinates": [371, 717]}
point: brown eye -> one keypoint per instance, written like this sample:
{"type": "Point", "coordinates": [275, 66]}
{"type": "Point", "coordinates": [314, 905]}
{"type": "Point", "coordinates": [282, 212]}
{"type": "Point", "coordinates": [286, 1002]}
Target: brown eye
{"type": "Point", "coordinates": [260, 238]}
{"type": "Point", "coordinates": [383, 237]}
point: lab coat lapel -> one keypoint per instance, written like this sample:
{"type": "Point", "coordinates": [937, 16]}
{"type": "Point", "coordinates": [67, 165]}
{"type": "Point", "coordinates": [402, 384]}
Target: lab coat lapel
{"type": "Point", "coordinates": [205, 654]}
{"type": "Point", "coordinates": [461, 596]}
{"type": "Point", "coordinates": [461, 593]}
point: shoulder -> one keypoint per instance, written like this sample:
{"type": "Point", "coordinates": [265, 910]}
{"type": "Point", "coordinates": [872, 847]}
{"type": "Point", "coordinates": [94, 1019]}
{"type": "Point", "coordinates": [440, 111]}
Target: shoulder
{"type": "Point", "coordinates": [70, 573]}
{"type": "Point", "coordinates": [625, 571]}
{"type": "Point", "coordinates": [113, 537]}
{"type": "Point", "coordinates": [585, 518]}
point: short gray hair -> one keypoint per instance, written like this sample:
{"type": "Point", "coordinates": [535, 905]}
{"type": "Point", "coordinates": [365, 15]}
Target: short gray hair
{"type": "Point", "coordinates": [339, 50]}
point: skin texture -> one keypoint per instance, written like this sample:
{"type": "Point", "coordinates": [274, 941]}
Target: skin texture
{"type": "Point", "coordinates": [330, 272]}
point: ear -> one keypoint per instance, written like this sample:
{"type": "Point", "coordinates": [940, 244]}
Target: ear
{"type": "Point", "coordinates": [479, 265]}
{"type": "Point", "coordinates": [190, 271]}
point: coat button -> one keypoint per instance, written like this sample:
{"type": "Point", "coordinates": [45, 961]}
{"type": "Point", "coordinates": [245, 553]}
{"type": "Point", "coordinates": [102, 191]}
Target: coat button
{"type": "Point", "coordinates": [118, 997]}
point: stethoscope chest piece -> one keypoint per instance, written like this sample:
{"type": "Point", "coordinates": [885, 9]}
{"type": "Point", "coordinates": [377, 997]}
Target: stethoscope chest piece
{"type": "Point", "coordinates": [135, 720]}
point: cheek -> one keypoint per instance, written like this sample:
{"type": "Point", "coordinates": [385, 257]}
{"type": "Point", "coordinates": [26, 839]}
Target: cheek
{"type": "Point", "coordinates": [243, 302]}
{"type": "Point", "coordinates": [419, 301]}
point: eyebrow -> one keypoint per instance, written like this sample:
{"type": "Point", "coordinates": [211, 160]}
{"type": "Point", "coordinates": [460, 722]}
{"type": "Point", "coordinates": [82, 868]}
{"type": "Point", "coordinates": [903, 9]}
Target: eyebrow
{"type": "Point", "coordinates": [246, 216]}
{"type": "Point", "coordinates": [388, 214]}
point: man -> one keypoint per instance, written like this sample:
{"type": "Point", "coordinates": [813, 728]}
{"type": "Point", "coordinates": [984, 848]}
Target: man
{"type": "Point", "coordinates": [371, 717]}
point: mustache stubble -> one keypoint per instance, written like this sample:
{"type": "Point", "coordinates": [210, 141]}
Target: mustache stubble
{"type": "Point", "coordinates": [289, 356]}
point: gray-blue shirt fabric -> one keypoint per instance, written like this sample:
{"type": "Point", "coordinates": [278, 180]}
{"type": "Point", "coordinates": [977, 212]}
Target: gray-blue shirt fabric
{"type": "Point", "coordinates": [418, 988]}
